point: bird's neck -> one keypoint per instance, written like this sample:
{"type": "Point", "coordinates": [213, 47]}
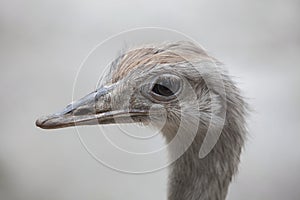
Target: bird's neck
{"type": "Point", "coordinates": [192, 178]}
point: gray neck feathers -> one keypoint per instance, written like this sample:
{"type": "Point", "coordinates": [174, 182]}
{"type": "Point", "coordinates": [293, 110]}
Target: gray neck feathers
{"type": "Point", "coordinates": [192, 178]}
{"type": "Point", "coordinates": [208, 178]}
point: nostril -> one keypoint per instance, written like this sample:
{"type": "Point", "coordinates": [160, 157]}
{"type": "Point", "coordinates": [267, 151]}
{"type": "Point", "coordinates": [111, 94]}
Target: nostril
{"type": "Point", "coordinates": [83, 111]}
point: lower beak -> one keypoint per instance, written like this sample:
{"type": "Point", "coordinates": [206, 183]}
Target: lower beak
{"type": "Point", "coordinates": [95, 108]}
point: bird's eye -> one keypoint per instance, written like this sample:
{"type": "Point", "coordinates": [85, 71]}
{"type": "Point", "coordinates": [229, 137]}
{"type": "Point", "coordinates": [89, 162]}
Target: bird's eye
{"type": "Point", "coordinates": [162, 90]}
{"type": "Point", "coordinates": [166, 87]}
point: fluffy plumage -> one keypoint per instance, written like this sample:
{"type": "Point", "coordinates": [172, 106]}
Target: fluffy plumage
{"type": "Point", "coordinates": [190, 177]}
{"type": "Point", "coordinates": [203, 119]}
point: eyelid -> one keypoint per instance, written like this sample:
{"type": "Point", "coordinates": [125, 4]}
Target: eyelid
{"type": "Point", "coordinates": [176, 80]}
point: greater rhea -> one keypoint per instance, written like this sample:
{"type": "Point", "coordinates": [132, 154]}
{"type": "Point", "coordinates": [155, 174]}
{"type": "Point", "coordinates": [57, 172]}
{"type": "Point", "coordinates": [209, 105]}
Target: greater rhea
{"type": "Point", "coordinates": [187, 94]}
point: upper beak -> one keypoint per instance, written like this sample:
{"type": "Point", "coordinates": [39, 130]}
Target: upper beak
{"type": "Point", "coordinates": [94, 108]}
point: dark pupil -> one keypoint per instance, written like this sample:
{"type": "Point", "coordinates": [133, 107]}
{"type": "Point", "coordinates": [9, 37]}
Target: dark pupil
{"type": "Point", "coordinates": [162, 90]}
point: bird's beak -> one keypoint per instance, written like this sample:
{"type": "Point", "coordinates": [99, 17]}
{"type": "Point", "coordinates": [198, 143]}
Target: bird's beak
{"type": "Point", "coordinates": [94, 108]}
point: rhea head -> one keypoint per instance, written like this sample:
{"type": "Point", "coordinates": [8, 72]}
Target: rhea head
{"type": "Point", "coordinates": [149, 84]}
{"type": "Point", "coordinates": [176, 87]}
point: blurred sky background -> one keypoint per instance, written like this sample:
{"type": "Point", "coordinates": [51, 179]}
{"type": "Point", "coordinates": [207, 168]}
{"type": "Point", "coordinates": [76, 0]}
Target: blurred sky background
{"type": "Point", "coordinates": [42, 44]}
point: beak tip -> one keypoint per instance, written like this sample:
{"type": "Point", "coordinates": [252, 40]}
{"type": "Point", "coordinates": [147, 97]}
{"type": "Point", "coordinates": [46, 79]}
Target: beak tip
{"type": "Point", "coordinates": [40, 121]}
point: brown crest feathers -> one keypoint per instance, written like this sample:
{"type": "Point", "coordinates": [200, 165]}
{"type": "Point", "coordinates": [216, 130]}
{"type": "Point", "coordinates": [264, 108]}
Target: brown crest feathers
{"type": "Point", "coordinates": [171, 53]}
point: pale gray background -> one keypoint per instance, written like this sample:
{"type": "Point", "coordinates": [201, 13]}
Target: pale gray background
{"type": "Point", "coordinates": [42, 44]}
